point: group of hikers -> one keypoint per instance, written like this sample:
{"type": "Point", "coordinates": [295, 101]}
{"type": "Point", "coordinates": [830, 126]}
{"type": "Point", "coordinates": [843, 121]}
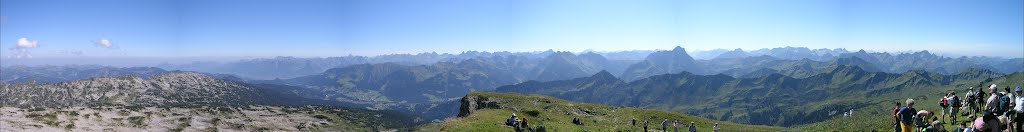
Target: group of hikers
{"type": "Point", "coordinates": [998, 111]}
{"type": "Point", "coordinates": [522, 124]}
{"type": "Point", "coordinates": [675, 126]}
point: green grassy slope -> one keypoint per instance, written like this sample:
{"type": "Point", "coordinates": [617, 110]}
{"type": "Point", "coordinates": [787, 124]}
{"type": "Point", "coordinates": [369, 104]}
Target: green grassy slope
{"type": "Point", "coordinates": [877, 115]}
{"type": "Point", "coordinates": [556, 115]}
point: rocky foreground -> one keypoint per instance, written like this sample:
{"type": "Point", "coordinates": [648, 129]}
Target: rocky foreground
{"type": "Point", "coordinates": [248, 118]}
{"type": "Point", "coordinates": [178, 101]}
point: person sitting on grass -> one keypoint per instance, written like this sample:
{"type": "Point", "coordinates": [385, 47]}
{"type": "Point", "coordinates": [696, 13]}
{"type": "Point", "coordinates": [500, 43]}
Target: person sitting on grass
{"type": "Point", "coordinates": [511, 120]}
{"type": "Point", "coordinates": [960, 127]}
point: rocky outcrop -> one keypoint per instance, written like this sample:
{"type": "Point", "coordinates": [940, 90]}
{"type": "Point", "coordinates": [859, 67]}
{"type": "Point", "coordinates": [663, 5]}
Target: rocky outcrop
{"type": "Point", "coordinates": [472, 103]}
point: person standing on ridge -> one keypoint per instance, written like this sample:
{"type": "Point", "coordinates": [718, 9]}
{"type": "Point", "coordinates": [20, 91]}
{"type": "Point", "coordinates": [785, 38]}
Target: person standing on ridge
{"type": "Point", "coordinates": [645, 125]}
{"type": "Point", "coordinates": [896, 117]}
{"type": "Point", "coordinates": [954, 105]}
{"type": "Point", "coordinates": [715, 129]}
{"type": "Point", "coordinates": [1018, 109]}
{"type": "Point", "coordinates": [675, 125]}
{"type": "Point", "coordinates": [992, 104]}
{"type": "Point", "coordinates": [944, 104]}
{"type": "Point", "coordinates": [693, 128]}
{"type": "Point", "coordinates": [906, 115]}
{"type": "Point", "coordinates": [664, 125]}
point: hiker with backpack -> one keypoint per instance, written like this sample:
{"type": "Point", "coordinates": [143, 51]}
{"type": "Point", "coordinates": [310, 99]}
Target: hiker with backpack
{"type": "Point", "coordinates": [944, 103]}
{"type": "Point", "coordinates": [906, 116]}
{"type": "Point", "coordinates": [969, 99]}
{"type": "Point", "coordinates": [954, 104]}
{"type": "Point", "coordinates": [645, 125]}
{"type": "Point", "coordinates": [1006, 105]}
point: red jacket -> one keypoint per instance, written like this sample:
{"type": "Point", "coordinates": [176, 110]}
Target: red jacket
{"type": "Point", "coordinates": [895, 120]}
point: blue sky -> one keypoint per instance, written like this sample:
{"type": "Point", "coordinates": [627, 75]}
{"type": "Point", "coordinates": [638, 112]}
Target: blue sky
{"type": "Point", "coordinates": [235, 28]}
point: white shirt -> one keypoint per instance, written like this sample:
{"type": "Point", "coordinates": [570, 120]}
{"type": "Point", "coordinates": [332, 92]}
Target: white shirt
{"type": "Point", "coordinates": [1019, 101]}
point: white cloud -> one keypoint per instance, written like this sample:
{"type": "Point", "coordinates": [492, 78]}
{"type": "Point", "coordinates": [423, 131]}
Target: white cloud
{"type": "Point", "coordinates": [21, 51]}
{"type": "Point", "coordinates": [24, 43]}
{"type": "Point", "coordinates": [105, 43]}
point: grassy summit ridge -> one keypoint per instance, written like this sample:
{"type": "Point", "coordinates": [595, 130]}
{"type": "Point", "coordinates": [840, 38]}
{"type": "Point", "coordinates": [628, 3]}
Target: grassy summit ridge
{"type": "Point", "coordinates": [487, 111]}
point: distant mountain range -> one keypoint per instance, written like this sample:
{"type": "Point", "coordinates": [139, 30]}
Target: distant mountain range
{"type": "Point", "coordinates": [56, 74]}
{"type": "Point", "coordinates": [422, 87]}
{"type": "Point", "coordinates": [666, 62]}
{"type": "Point", "coordinates": [773, 99]}
{"type": "Point", "coordinates": [290, 67]}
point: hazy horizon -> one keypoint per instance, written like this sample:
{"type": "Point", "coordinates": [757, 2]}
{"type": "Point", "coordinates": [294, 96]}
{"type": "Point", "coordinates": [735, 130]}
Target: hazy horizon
{"type": "Point", "coordinates": [324, 28]}
{"type": "Point", "coordinates": [135, 61]}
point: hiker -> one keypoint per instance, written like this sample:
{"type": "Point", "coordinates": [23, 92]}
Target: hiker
{"type": "Point", "coordinates": [954, 106]}
{"type": "Point", "coordinates": [511, 120]}
{"type": "Point", "coordinates": [1006, 104]}
{"type": "Point", "coordinates": [969, 101]}
{"type": "Point", "coordinates": [664, 125]}
{"type": "Point", "coordinates": [921, 119]}
{"type": "Point", "coordinates": [645, 125]}
{"type": "Point", "coordinates": [896, 117]}
{"type": "Point", "coordinates": [906, 115]}
{"type": "Point", "coordinates": [715, 129]}
{"type": "Point", "coordinates": [982, 101]}
{"type": "Point", "coordinates": [992, 103]}
{"type": "Point", "coordinates": [577, 121]}
{"type": "Point", "coordinates": [525, 123]}
{"type": "Point", "coordinates": [693, 128]}
{"type": "Point", "coordinates": [1018, 109]}
{"type": "Point", "coordinates": [675, 125]}
{"type": "Point", "coordinates": [944, 104]}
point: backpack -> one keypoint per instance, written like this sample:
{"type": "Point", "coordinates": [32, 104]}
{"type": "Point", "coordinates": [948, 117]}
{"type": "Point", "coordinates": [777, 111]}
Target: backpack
{"type": "Point", "coordinates": [944, 102]}
{"type": "Point", "coordinates": [1004, 103]}
{"type": "Point", "coordinates": [955, 102]}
